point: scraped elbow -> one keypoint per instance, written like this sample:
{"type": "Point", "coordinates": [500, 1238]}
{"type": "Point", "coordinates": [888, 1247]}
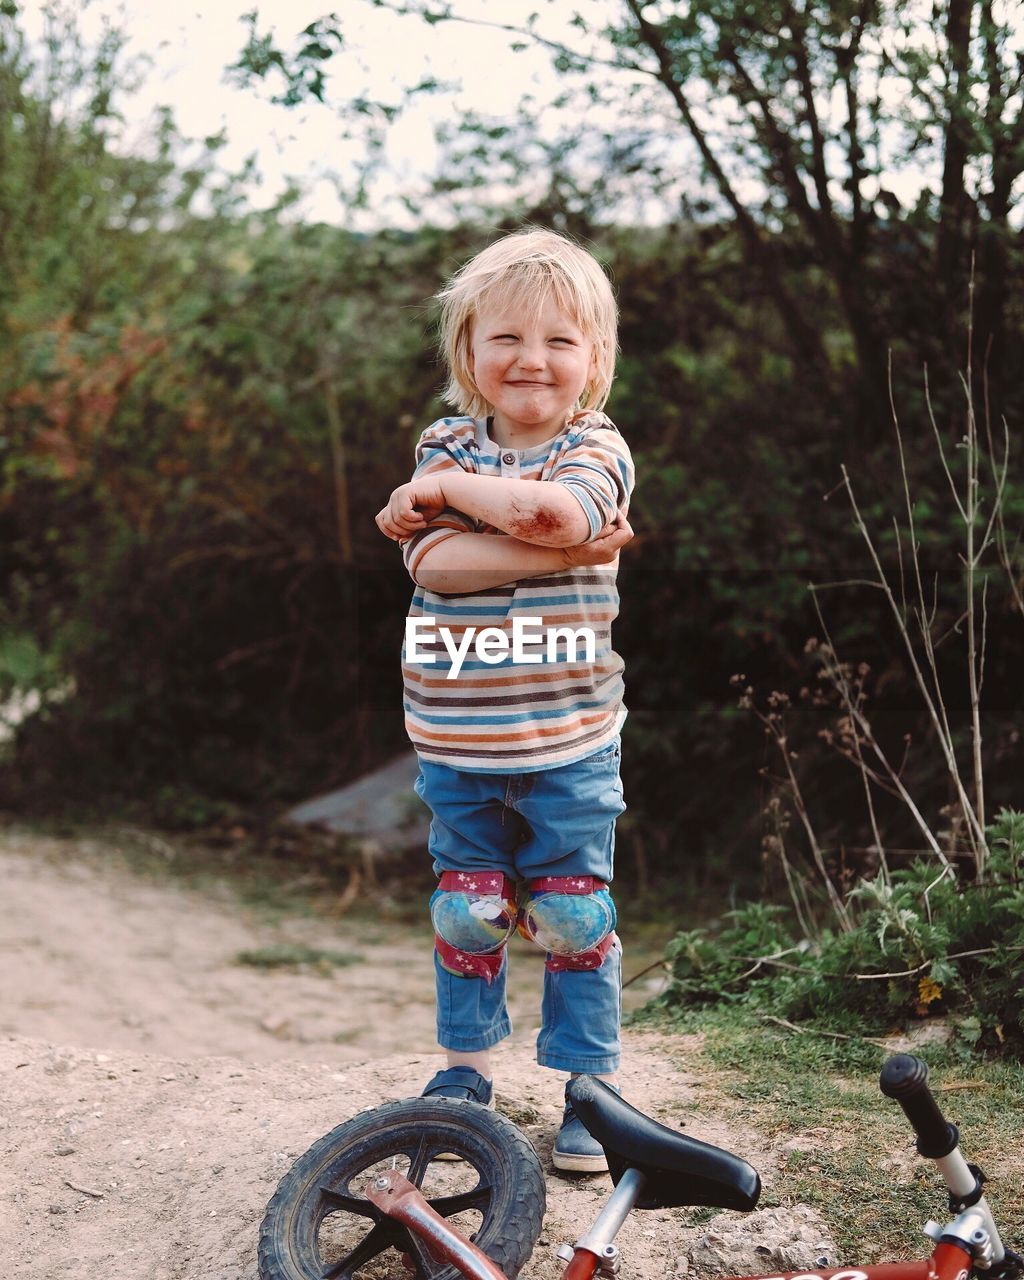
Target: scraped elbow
{"type": "Point", "coordinates": [550, 525]}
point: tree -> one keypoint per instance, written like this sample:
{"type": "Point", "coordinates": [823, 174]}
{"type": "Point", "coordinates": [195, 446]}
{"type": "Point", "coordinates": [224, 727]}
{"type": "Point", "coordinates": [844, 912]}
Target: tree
{"type": "Point", "coordinates": [177, 513]}
{"type": "Point", "coordinates": [802, 115]}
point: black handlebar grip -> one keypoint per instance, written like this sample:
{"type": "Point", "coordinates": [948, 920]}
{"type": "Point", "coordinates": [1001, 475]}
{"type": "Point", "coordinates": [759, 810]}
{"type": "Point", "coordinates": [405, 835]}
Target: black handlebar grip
{"type": "Point", "coordinates": [904, 1078]}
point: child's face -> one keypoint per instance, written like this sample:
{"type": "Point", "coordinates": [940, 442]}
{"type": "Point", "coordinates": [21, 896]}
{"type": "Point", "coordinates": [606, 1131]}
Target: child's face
{"type": "Point", "coordinates": [531, 368]}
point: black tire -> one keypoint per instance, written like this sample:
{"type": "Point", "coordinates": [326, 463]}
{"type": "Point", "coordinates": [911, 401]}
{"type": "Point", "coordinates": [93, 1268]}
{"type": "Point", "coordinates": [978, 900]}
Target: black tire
{"type": "Point", "coordinates": [318, 1226]}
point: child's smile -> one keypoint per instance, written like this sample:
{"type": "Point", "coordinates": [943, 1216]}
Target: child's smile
{"type": "Point", "coordinates": [532, 367]}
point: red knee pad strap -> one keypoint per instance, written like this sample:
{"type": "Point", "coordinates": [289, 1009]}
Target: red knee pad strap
{"type": "Point", "coordinates": [567, 884]}
{"type": "Point", "coordinates": [467, 965]}
{"type": "Point", "coordinates": [592, 959]}
{"type": "Point", "coordinates": [488, 883]}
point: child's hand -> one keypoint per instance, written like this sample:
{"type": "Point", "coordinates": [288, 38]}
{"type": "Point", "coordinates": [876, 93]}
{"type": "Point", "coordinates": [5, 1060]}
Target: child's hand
{"type": "Point", "coordinates": [410, 508]}
{"type": "Point", "coordinates": [604, 548]}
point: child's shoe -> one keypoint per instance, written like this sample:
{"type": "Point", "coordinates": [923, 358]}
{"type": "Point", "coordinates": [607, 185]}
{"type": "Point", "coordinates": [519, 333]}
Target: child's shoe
{"type": "Point", "coordinates": [463, 1083]}
{"type": "Point", "coordinates": [575, 1149]}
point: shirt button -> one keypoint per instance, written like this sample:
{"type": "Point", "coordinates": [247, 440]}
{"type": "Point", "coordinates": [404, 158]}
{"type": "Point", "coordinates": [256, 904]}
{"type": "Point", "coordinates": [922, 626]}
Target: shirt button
{"type": "Point", "coordinates": [508, 459]}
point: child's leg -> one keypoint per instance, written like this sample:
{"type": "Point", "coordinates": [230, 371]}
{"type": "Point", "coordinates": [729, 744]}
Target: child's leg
{"type": "Point", "coordinates": [567, 860]}
{"type": "Point", "coordinates": [580, 1018]}
{"type": "Point", "coordinates": [471, 1013]}
{"type": "Point", "coordinates": [474, 1061]}
{"type": "Point", "coordinates": [473, 837]}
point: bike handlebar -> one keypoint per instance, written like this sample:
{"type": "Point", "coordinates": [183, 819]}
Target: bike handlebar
{"type": "Point", "coordinates": [904, 1078]}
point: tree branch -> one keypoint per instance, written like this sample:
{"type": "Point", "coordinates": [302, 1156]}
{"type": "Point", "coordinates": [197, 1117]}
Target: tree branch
{"type": "Point", "coordinates": [819, 225]}
{"type": "Point", "coordinates": [435, 16]}
{"type": "Point", "coordinates": [798, 32]}
{"type": "Point", "coordinates": [803, 336]}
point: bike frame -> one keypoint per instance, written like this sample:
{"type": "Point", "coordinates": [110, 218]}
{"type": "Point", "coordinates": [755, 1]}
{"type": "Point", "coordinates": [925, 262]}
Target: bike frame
{"type": "Point", "coordinates": [970, 1239]}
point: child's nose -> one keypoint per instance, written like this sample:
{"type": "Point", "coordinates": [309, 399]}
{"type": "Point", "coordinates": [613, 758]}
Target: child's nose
{"type": "Point", "coordinates": [531, 357]}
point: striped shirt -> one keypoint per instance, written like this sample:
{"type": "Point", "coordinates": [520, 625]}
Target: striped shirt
{"type": "Point", "coordinates": [513, 715]}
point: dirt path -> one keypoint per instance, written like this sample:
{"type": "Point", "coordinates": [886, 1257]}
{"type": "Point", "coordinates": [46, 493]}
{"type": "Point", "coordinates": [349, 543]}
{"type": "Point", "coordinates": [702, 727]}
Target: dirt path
{"type": "Point", "coordinates": [155, 1090]}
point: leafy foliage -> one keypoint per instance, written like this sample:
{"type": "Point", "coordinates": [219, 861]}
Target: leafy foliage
{"type": "Point", "coordinates": [202, 407]}
{"type": "Point", "coordinates": [925, 943]}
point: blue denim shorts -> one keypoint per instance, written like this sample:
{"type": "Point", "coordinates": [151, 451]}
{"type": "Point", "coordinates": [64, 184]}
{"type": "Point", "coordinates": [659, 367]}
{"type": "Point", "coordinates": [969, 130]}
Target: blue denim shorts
{"type": "Point", "coordinates": [556, 822]}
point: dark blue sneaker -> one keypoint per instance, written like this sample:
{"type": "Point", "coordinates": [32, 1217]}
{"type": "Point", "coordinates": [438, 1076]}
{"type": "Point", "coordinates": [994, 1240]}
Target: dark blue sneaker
{"type": "Point", "coordinates": [463, 1083]}
{"type": "Point", "coordinates": [575, 1150]}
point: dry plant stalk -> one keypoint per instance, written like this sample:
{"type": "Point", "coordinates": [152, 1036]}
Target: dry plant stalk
{"type": "Point", "coordinates": [914, 616]}
{"type": "Point", "coordinates": [774, 724]}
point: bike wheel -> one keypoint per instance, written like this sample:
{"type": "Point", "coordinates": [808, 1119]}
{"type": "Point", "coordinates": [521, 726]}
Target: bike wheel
{"type": "Point", "coordinates": [319, 1224]}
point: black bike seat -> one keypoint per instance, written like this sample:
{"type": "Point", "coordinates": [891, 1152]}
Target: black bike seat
{"type": "Point", "coordinates": [679, 1170]}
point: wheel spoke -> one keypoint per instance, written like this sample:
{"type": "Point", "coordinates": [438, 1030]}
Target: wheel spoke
{"type": "Point", "coordinates": [382, 1237]}
{"type": "Point", "coordinates": [418, 1163]}
{"type": "Point", "coordinates": [427, 1264]}
{"type": "Point", "coordinates": [351, 1204]}
{"type": "Point", "coordinates": [478, 1198]}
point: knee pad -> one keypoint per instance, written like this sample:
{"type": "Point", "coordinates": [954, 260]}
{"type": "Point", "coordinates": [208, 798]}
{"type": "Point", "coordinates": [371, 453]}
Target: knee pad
{"type": "Point", "coordinates": [474, 915]}
{"type": "Point", "coordinates": [572, 918]}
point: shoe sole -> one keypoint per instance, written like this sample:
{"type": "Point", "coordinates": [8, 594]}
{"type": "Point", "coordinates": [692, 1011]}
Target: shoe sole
{"type": "Point", "coordinates": [579, 1164]}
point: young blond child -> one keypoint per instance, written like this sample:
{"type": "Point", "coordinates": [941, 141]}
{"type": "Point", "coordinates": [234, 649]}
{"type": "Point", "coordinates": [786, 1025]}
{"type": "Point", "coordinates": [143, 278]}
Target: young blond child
{"type": "Point", "coordinates": [511, 528]}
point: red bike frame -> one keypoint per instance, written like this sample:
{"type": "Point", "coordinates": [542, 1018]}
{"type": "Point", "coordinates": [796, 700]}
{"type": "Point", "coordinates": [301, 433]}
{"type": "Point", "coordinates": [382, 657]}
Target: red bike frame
{"type": "Point", "coordinates": [970, 1241]}
{"type": "Point", "coordinates": [394, 1195]}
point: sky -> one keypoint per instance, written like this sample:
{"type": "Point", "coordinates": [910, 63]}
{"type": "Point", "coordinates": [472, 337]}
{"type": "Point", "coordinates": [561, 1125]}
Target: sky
{"type": "Point", "coordinates": [191, 45]}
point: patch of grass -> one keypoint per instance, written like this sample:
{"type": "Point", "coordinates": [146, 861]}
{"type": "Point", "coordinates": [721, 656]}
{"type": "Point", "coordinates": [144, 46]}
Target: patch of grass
{"type": "Point", "coordinates": [859, 1168]}
{"type": "Point", "coordinates": [289, 955]}
{"type": "Point", "coordinates": [699, 1216]}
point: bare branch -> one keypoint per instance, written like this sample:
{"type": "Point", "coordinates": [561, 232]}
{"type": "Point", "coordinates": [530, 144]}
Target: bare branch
{"type": "Point", "coordinates": [981, 853]}
{"type": "Point", "coordinates": [436, 16]}
{"type": "Point", "coordinates": [799, 36]}
{"type": "Point", "coordinates": [797, 891]}
{"type": "Point", "coordinates": [922, 685]}
{"type": "Point", "coordinates": [864, 726]}
{"type": "Point", "coordinates": [813, 1031]}
{"type": "Point", "coordinates": [776, 732]}
{"type": "Point", "coordinates": [819, 223]}
{"type": "Point", "coordinates": [899, 561]}
{"type": "Point", "coordinates": [803, 336]}
{"type": "Point", "coordinates": [910, 973]}
{"type": "Point", "coordinates": [933, 697]}
{"type": "Point", "coordinates": [941, 447]}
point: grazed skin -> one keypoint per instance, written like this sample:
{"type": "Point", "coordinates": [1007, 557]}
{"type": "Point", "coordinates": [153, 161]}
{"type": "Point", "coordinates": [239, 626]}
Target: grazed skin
{"type": "Point", "coordinates": [493, 500]}
{"type": "Point", "coordinates": [550, 512]}
{"type": "Point", "coordinates": [540, 525]}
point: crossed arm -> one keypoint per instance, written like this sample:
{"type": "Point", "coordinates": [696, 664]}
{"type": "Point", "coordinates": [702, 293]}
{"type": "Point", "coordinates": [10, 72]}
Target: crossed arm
{"type": "Point", "coordinates": [546, 525]}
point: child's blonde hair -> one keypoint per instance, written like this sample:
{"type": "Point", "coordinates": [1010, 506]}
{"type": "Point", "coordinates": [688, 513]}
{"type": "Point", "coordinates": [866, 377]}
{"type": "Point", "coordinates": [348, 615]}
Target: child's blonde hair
{"type": "Point", "coordinates": [526, 268]}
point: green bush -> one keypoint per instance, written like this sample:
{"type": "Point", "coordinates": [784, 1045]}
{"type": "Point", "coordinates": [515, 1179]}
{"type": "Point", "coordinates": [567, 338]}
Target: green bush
{"type": "Point", "coordinates": [922, 944]}
{"type": "Point", "coordinates": [202, 407]}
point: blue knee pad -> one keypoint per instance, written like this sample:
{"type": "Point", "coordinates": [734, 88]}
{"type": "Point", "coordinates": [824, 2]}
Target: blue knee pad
{"type": "Point", "coordinates": [572, 918]}
{"type": "Point", "coordinates": [474, 915]}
